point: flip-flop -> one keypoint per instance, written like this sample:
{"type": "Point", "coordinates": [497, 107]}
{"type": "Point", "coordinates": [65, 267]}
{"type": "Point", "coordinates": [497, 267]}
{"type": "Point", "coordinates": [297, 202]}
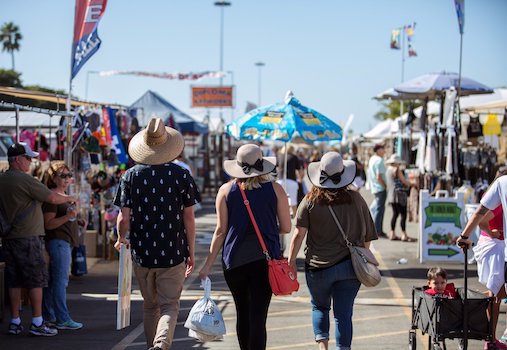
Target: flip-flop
{"type": "Point", "coordinates": [409, 239]}
{"type": "Point", "coordinates": [395, 238]}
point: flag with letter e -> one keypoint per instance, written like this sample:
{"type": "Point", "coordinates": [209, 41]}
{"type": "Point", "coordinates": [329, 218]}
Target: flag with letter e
{"type": "Point", "coordinates": [86, 40]}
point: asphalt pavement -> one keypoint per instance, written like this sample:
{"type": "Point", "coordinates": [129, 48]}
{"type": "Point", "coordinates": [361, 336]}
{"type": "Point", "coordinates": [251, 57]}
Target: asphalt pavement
{"type": "Point", "coordinates": [382, 315]}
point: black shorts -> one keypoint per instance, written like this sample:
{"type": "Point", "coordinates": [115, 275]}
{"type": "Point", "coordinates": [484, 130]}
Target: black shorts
{"type": "Point", "coordinates": [24, 263]}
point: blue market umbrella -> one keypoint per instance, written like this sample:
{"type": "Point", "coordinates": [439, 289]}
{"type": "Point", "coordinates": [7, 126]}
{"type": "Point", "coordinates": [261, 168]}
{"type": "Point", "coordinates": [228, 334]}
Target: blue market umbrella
{"type": "Point", "coordinates": [434, 84]}
{"type": "Point", "coordinates": [280, 121]}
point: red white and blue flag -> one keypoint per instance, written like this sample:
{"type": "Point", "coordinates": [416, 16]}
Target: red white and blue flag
{"type": "Point", "coordinates": [86, 40]}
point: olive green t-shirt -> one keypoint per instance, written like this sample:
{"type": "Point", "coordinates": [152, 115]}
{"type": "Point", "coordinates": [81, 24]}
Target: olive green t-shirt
{"type": "Point", "coordinates": [17, 191]}
{"type": "Point", "coordinates": [325, 245]}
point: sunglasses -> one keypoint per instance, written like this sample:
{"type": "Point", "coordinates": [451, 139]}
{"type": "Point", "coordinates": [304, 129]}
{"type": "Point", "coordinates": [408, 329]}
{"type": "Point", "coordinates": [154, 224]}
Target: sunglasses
{"type": "Point", "coordinates": [65, 176]}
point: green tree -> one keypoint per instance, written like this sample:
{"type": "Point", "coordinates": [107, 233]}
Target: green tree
{"type": "Point", "coordinates": [9, 77]}
{"type": "Point", "coordinates": [391, 109]}
{"type": "Point", "coordinates": [10, 38]}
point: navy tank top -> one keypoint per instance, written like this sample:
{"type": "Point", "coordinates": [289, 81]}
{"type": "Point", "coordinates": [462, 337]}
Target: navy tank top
{"type": "Point", "coordinates": [241, 245]}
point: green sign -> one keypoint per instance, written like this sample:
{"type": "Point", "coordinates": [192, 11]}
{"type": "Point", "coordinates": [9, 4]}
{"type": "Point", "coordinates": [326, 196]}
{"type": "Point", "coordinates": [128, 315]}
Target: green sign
{"type": "Point", "coordinates": [443, 212]}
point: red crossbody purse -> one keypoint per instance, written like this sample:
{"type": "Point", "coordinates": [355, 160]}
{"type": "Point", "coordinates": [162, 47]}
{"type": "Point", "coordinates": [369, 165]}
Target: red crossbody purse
{"type": "Point", "coordinates": [282, 278]}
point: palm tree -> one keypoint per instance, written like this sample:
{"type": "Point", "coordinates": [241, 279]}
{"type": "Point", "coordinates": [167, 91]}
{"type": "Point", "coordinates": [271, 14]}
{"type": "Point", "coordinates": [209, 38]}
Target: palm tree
{"type": "Point", "coordinates": [10, 37]}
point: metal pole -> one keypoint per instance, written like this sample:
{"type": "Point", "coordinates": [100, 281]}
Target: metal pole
{"type": "Point", "coordinates": [259, 82]}
{"type": "Point", "coordinates": [17, 124]}
{"type": "Point", "coordinates": [402, 64]}
{"type": "Point", "coordinates": [221, 4]}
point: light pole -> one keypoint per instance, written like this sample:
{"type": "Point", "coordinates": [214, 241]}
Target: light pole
{"type": "Point", "coordinates": [260, 65]}
{"type": "Point", "coordinates": [222, 4]}
{"type": "Point", "coordinates": [218, 163]}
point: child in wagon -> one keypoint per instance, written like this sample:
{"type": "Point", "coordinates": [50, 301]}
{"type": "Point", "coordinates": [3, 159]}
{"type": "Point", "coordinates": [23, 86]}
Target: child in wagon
{"type": "Point", "coordinates": [437, 283]}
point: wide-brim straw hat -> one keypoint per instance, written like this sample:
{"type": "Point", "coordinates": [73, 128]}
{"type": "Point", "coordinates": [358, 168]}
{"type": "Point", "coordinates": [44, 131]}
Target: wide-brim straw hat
{"type": "Point", "coordinates": [249, 162]}
{"type": "Point", "coordinates": [332, 171]}
{"type": "Point", "coordinates": [394, 159]}
{"type": "Point", "coordinates": [156, 144]}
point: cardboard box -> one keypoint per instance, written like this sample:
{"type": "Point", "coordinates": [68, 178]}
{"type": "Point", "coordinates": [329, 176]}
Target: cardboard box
{"type": "Point", "coordinates": [90, 241]}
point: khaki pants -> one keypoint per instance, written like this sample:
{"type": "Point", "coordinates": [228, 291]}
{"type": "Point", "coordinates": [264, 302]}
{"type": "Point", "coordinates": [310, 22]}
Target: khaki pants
{"type": "Point", "coordinates": [161, 290]}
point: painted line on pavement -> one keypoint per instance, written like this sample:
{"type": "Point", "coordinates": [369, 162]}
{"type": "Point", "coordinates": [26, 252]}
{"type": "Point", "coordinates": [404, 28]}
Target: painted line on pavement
{"type": "Point", "coordinates": [129, 339]}
{"type": "Point", "coordinates": [398, 296]}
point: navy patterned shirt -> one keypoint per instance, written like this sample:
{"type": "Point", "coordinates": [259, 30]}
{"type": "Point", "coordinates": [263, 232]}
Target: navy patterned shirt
{"type": "Point", "coordinates": [156, 196]}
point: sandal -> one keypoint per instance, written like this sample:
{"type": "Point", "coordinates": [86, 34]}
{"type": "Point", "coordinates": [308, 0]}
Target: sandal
{"type": "Point", "coordinates": [395, 238]}
{"type": "Point", "coordinates": [409, 239]}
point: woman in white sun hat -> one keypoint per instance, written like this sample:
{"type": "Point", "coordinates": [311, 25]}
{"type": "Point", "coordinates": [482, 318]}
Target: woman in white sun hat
{"type": "Point", "coordinates": [244, 263]}
{"type": "Point", "coordinates": [328, 267]}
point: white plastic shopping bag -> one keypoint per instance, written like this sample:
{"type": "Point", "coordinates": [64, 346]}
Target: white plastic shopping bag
{"type": "Point", "coordinates": [205, 321]}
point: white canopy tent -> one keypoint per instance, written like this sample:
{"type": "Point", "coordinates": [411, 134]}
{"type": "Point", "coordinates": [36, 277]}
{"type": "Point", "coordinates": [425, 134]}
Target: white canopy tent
{"type": "Point", "coordinates": [28, 120]}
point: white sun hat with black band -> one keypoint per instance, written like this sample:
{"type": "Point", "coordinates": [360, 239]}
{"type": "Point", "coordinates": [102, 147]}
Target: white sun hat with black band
{"type": "Point", "coordinates": [249, 162]}
{"type": "Point", "coordinates": [156, 144]}
{"type": "Point", "coordinates": [332, 171]}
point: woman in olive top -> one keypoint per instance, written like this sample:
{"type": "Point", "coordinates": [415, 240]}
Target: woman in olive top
{"type": "Point", "coordinates": [61, 235]}
{"type": "Point", "coordinates": [328, 268]}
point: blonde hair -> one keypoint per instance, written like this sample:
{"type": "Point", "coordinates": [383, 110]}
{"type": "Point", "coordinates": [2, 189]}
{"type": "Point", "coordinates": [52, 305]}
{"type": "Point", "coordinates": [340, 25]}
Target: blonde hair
{"type": "Point", "coordinates": [255, 182]}
{"type": "Point", "coordinates": [55, 168]}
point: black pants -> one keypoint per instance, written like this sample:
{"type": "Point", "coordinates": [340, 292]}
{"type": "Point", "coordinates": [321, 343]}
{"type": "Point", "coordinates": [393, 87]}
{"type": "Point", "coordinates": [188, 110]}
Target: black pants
{"type": "Point", "coordinates": [249, 285]}
{"type": "Point", "coordinates": [399, 209]}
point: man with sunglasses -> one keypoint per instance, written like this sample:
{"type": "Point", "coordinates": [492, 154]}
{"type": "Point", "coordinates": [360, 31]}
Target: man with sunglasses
{"type": "Point", "coordinates": [20, 203]}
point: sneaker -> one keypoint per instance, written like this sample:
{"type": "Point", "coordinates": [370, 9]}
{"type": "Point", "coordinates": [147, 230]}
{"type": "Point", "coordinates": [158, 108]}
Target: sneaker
{"type": "Point", "coordinates": [15, 329]}
{"type": "Point", "coordinates": [42, 330]}
{"type": "Point", "coordinates": [503, 339]}
{"type": "Point", "coordinates": [50, 324]}
{"type": "Point", "coordinates": [70, 324]}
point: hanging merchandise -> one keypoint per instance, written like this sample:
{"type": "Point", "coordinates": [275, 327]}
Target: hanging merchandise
{"type": "Point", "coordinates": [421, 148]}
{"type": "Point", "coordinates": [492, 126]}
{"type": "Point", "coordinates": [474, 128]}
{"type": "Point", "coordinates": [451, 163]}
{"type": "Point", "coordinates": [468, 192]}
{"type": "Point", "coordinates": [430, 160]}
{"type": "Point", "coordinates": [113, 135]}
{"type": "Point", "coordinates": [449, 102]}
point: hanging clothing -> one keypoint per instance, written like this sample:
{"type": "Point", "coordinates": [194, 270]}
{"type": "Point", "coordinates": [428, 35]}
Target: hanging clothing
{"type": "Point", "coordinates": [492, 126]}
{"type": "Point", "coordinates": [474, 129]}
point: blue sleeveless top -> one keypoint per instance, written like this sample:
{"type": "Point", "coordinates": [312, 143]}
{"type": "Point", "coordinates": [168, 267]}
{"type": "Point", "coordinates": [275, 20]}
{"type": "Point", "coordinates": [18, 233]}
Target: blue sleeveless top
{"type": "Point", "coordinates": [241, 244]}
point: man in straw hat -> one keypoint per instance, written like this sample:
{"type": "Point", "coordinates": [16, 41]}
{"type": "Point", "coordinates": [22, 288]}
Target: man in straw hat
{"type": "Point", "coordinates": [156, 198]}
{"type": "Point", "coordinates": [376, 177]}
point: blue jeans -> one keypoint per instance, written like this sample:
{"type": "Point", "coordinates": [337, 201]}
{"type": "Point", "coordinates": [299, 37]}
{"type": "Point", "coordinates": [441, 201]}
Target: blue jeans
{"type": "Point", "coordinates": [54, 306]}
{"type": "Point", "coordinates": [377, 209]}
{"type": "Point", "coordinates": [339, 284]}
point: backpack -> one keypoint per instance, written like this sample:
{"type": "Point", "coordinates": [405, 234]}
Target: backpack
{"type": "Point", "coordinates": [6, 226]}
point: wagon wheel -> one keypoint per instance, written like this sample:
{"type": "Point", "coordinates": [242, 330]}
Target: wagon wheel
{"type": "Point", "coordinates": [412, 343]}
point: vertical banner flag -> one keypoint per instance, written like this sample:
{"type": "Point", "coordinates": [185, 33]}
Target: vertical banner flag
{"type": "Point", "coordinates": [460, 11]}
{"type": "Point", "coordinates": [113, 135]}
{"type": "Point", "coordinates": [86, 40]}
{"type": "Point", "coordinates": [409, 31]}
{"type": "Point", "coordinates": [396, 39]}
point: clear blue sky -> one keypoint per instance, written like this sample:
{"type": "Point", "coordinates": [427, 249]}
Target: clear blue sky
{"type": "Point", "coordinates": [333, 54]}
